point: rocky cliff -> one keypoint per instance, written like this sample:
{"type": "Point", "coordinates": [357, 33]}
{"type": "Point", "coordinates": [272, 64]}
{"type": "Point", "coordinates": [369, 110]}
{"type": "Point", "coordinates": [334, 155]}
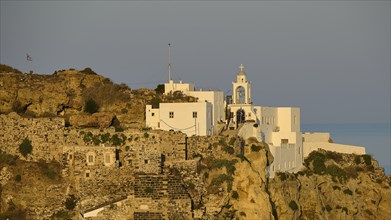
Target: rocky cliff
{"type": "Point", "coordinates": [65, 117]}
{"type": "Point", "coordinates": [77, 94]}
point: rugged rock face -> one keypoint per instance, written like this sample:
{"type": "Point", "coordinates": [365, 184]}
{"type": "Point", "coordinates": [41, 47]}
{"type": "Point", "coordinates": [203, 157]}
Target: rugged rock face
{"type": "Point", "coordinates": [100, 120]}
{"type": "Point", "coordinates": [65, 93]}
{"type": "Point", "coordinates": [348, 187]}
{"type": "Point", "coordinates": [344, 187]}
{"type": "Point", "coordinates": [216, 177]}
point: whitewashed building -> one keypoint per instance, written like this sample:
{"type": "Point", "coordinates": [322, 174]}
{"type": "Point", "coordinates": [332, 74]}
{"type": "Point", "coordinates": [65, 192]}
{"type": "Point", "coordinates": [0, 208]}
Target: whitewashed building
{"type": "Point", "coordinates": [279, 127]}
{"type": "Point", "coordinates": [192, 118]}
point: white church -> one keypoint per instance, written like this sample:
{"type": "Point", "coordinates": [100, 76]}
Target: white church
{"type": "Point", "coordinates": [279, 127]}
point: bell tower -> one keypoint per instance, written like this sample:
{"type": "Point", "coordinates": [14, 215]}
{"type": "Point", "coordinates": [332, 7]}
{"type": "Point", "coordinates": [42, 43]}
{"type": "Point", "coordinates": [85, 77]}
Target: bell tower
{"type": "Point", "coordinates": [241, 93]}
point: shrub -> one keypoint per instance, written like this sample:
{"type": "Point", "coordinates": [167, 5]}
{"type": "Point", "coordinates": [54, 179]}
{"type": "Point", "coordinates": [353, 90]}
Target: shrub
{"type": "Point", "coordinates": [25, 148]}
{"type": "Point", "coordinates": [334, 156]}
{"type": "Point", "coordinates": [242, 214]}
{"type": "Point", "coordinates": [70, 202]}
{"type": "Point", "coordinates": [367, 159]}
{"type": "Point", "coordinates": [88, 70]}
{"type": "Point", "coordinates": [116, 141]}
{"type": "Point", "coordinates": [232, 141]}
{"type": "Point", "coordinates": [105, 137]}
{"type": "Point", "coordinates": [18, 178]}
{"type": "Point", "coordinates": [293, 205]}
{"type": "Point", "coordinates": [221, 179]}
{"type": "Point", "coordinates": [228, 164]}
{"type": "Point", "coordinates": [255, 148]}
{"type": "Point", "coordinates": [345, 210]}
{"type": "Point", "coordinates": [8, 69]}
{"type": "Point", "coordinates": [191, 186]}
{"type": "Point", "coordinates": [96, 140]}
{"type": "Point", "coordinates": [357, 160]}
{"type": "Point", "coordinates": [87, 137]}
{"type": "Point", "coordinates": [235, 195]}
{"type": "Point", "coordinates": [336, 187]}
{"type": "Point", "coordinates": [228, 149]}
{"type": "Point", "coordinates": [328, 208]}
{"type": "Point", "coordinates": [318, 159]}
{"type": "Point", "coordinates": [336, 172]}
{"type": "Point", "coordinates": [91, 106]}
{"type": "Point", "coordinates": [351, 172]}
{"type": "Point", "coordinates": [146, 135]}
{"type": "Point", "coordinates": [148, 189]}
{"type": "Point", "coordinates": [222, 142]}
{"type": "Point", "coordinates": [160, 89]}
{"type": "Point", "coordinates": [348, 192]}
{"type": "Point", "coordinates": [282, 176]}
{"type": "Point", "coordinates": [18, 107]}
{"type": "Point", "coordinates": [155, 102]}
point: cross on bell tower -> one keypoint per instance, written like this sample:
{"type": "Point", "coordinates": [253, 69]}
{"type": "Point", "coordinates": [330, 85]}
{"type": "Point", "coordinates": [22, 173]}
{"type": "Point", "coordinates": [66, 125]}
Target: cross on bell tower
{"type": "Point", "coordinates": [241, 88]}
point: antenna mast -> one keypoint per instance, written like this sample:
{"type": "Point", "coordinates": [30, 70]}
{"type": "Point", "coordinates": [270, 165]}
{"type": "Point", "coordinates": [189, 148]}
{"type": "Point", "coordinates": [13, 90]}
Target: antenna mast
{"type": "Point", "coordinates": [169, 62]}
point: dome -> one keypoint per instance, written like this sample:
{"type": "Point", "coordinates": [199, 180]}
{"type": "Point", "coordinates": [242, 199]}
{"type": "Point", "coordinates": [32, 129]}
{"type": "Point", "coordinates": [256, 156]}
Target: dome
{"type": "Point", "coordinates": [241, 72]}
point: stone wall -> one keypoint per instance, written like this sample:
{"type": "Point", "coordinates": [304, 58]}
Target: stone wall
{"type": "Point", "coordinates": [44, 133]}
{"type": "Point", "coordinates": [100, 173]}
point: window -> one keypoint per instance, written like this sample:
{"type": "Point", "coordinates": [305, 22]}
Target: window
{"type": "Point", "coordinates": [153, 114]}
{"type": "Point", "coordinates": [87, 173]}
{"type": "Point", "coordinates": [284, 141]}
{"type": "Point", "coordinates": [90, 159]}
{"type": "Point", "coordinates": [107, 158]}
{"type": "Point", "coordinates": [294, 119]}
{"type": "Point", "coordinates": [194, 114]}
{"type": "Point", "coordinates": [146, 161]}
{"type": "Point", "coordinates": [171, 114]}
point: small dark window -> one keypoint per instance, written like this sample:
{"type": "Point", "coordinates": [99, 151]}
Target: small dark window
{"type": "Point", "coordinates": [153, 114]}
{"type": "Point", "coordinates": [194, 114]}
{"type": "Point", "coordinates": [87, 175]}
{"type": "Point", "coordinates": [146, 161]}
{"type": "Point", "coordinates": [171, 114]}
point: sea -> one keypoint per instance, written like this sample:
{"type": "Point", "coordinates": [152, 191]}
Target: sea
{"type": "Point", "coordinates": [375, 137]}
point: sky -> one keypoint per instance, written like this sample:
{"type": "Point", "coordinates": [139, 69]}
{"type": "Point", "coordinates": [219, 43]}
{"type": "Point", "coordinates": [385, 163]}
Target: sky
{"type": "Point", "coordinates": [330, 58]}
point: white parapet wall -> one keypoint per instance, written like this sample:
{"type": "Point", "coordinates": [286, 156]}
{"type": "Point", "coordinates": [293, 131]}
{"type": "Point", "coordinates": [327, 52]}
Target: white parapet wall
{"type": "Point", "coordinates": [313, 141]}
{"type": "Point", "coordinates": [316, 137]}
{"type": "Point", "coordinates": [308, 147]}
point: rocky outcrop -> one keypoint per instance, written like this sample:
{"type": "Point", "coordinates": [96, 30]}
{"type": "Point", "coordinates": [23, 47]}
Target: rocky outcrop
{"type": "Point", "coordinates": [65, 93]}
{"type": "Point", "coordinates": [97, 120]}
{"type": "Point", "coordinates": [347, 189]}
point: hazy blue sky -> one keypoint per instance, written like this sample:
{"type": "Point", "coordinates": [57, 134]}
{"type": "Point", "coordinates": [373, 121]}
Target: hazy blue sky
{"type": "Point", "coordinates": [330, 58]}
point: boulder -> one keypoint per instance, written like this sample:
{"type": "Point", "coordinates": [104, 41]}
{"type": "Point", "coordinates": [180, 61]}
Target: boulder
{"type": "Point", "coordinates": [96, 120]}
